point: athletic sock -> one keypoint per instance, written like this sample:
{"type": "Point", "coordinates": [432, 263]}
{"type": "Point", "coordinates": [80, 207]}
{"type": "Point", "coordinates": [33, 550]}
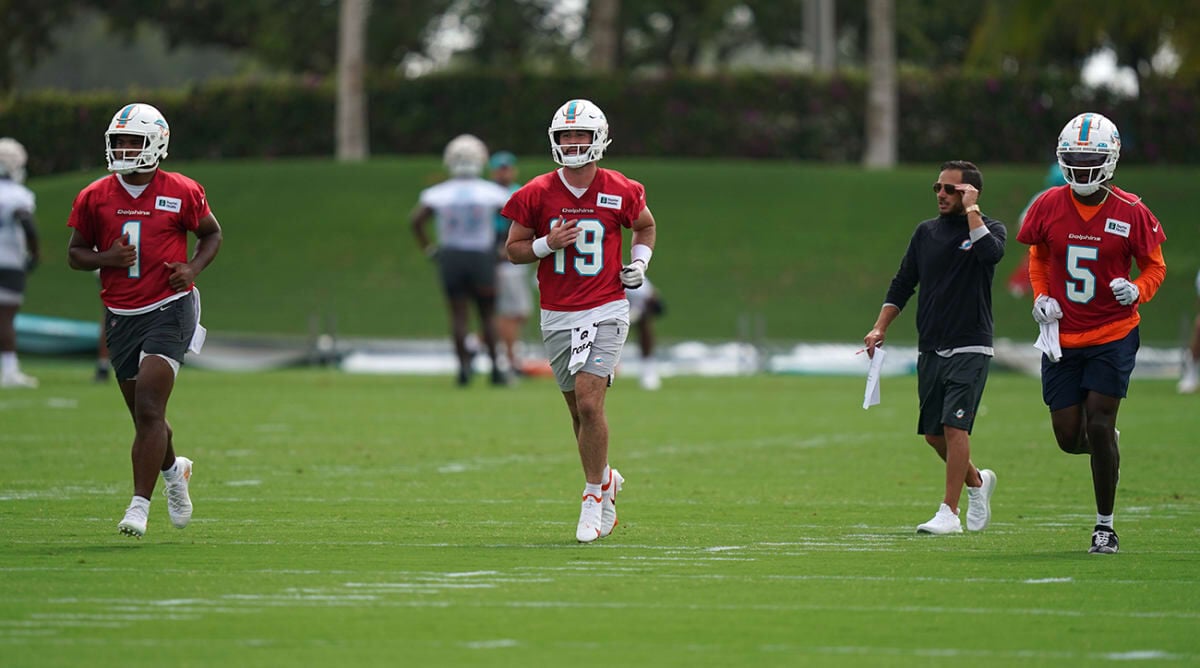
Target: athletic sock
{"type": "Point", "coordinates": [141, 502]}
{"type": "Point", "coordinates": [1104, 520]}
{"type": "Point", "coordinates": [8, 362]}
{"type": "Point", "coordinates": [171, 473]}
{"type": "Point", "coordinates": [592, 490]}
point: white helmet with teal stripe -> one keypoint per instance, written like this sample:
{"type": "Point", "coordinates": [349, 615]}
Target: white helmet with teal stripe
{"type": "Point", "coordinates": [1088, 149]}
{"type": "Point", "coordinates": [139, 120]}
{"type": "Point", "coordinates": [579, 115]}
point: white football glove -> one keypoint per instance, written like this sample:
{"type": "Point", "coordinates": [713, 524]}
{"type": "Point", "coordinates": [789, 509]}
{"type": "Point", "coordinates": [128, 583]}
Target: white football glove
{"type": "Point", "coordinates": [1126, 292]}
{"type": "Point", "coordinates": [633, 274]}
{"type": "Point", "coordinates": [1046, 310]}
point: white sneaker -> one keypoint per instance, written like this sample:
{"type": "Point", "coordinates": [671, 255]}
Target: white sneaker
{"type": "Point", "coordinates": [134, 523]}
{"type": "Point", "coordinates": [589, 519]}
{"type": "Point", "coordinates": [608, 502]}
{"type": "Point", "coordinates": [979, 512]}
{"type": "Point", "coordinates": [18, 379]}
{"type": "Point", "coordinates": [1188, 384]}
{"type": "Point", "coordinates": [944, 522]}
{"type": "Point", "coordinates": [651, 381]}
{"type": "Point", "coordinates": [179, 504]}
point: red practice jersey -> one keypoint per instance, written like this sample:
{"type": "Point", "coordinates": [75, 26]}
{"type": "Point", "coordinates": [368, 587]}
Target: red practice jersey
{"type": "Point", "coordinates": [1084, 256]}
{"type": "Point", "coordinates": [587, 274]}
{"type": "Point", "coordinates": [157, 222]}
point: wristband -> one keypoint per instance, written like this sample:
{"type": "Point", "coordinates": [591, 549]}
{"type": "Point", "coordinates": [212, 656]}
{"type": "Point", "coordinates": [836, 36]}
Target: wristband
{"type": "Point", "coordinates": [641, 252]}
{"type": "Point", "coordinates": [541, 247]}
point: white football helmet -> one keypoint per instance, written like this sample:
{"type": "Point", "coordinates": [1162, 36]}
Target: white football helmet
{"type": "Point", "coordinates": [144, 121]}
{"type": "Point", "coordinates": [465, 155]}
{"type": "Point", "coordinates": [1088, 149]}
{"type": "Point", "coordinates": [12, 160]}
{"type": "Point", "coordinates": [579, 115]}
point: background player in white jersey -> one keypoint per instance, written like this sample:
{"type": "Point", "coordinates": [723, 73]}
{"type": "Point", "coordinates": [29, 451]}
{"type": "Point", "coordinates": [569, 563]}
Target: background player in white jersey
{"type": "Point", "coordinates": [570, 222]}
{"type": "Point", "coordinates": [514, 298]}
{"type": "Point", "coordinates": [140, 216]}
{"type": "Point", "coordinates": [18, 256]}
{"type": "Point", "coordinates": [645, 306]}
{"type": "Point", "coordinates": [465, 206]}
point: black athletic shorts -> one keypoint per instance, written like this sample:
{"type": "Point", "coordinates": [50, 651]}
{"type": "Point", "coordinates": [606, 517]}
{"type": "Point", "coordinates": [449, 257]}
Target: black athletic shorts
{"type": "Point", "coordinates": [950, 389]}
{"type": "Point", "coordinates": [1103, 369]}
{"type": "Point", "coordinates": [12, 287]}
{"type": "Point", "coordinates": [467, 273]}
{"type": "Point", "coordinates": [166, 331]}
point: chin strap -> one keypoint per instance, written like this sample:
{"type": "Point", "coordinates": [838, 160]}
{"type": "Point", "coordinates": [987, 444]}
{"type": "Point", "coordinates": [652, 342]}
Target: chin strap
{"type": "Point", "coordinates": [1114, 194]}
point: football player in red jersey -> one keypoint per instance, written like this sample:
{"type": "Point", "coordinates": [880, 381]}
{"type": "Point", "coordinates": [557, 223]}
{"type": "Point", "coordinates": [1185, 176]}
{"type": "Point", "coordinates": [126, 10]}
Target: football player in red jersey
{"type": "Point", "coordinates": [570, 222]}
{"type": "Point", "coordinates": [139, 217]}
{"type": "Point", "coordinates": [1083, 239]}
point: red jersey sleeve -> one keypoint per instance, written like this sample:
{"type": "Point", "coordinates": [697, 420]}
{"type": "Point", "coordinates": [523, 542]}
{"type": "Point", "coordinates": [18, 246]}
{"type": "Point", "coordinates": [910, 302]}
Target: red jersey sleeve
{"type": "Point", "coordinates": [1032, 231]}
{"type": "Point", "coordinates": [635, 201]}
{"type": "Point", "coordinates": [198, 206]}
{"type": "Point", "coordinates": [517, 207]}
{"type": "Point", "coordinates": [81, 217]}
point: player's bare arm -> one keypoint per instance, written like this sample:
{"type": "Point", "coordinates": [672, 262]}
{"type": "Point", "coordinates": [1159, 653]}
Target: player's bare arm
{"type": "Point", "coordinates": [644, 230]}
{"type": "Point", "coordinates": [208, 242]}
{"type": "Point", "coordinates": [83, 256]}
{"type": "Point", "coordinates": [521, 239]}
{"type": "Point", "coordinates": [420, 219]}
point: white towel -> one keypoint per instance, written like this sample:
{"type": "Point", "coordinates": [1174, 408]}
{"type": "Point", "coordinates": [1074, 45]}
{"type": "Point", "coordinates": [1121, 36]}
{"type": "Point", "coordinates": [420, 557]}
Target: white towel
{"type": "Point", "coordinates": [198, 337]}
{"type": "Point", "coordinates": [871, 396]}
{"type": "Point", "coordinates": [1047, 341]}
{"type": "Point", "coordinates": [581, 347]}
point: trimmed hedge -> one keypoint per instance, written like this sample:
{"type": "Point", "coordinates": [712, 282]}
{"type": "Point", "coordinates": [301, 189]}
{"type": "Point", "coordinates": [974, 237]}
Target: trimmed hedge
{"type": "Point", "coordinates": [943, 116]}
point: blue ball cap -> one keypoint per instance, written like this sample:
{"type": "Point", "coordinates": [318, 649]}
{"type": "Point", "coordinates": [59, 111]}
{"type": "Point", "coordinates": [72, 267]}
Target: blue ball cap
{"type": "Point", "coordinates": [502, 159]}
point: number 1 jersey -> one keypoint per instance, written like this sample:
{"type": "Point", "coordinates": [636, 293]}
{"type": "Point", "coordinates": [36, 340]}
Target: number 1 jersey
{"type": "Point", "coordinates": [157, 222]}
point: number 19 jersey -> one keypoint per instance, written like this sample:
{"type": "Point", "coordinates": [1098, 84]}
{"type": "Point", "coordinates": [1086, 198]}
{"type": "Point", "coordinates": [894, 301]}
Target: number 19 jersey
{"type": "Point", "coordinates": [587, 273]}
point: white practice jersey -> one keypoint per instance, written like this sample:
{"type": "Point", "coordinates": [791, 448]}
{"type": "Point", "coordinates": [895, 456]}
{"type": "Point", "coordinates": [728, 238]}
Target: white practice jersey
{"type": "Point", "coordinates": [14, 197]}
{"type": "Point", "coordinates": [466, 212]}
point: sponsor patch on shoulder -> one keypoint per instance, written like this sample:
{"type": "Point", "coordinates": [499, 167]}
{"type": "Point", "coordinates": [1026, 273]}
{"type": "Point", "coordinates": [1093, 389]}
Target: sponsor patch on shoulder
{"type": "Point", "coordinates": [1117, 227]}
{"type": "Point", "coordinates": [173, 204]}
{"type": "Point", "coordinates": [608, 201]}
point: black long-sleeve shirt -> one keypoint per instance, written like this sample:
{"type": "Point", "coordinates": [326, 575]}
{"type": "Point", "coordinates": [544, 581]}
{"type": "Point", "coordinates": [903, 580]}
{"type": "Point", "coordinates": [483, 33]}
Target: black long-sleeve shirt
{"type": "Point", "coordinates": [954, 307]}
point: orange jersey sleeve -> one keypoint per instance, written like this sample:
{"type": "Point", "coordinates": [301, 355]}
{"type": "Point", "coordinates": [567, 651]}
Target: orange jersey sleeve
{"type": "Point", "coordinates": [1039, 259]}
{"type": "Point", "coordinates": [1152, 269]}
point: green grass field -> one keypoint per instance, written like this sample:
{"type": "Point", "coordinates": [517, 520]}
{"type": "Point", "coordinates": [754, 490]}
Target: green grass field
{"type": "Point", "coordinates": [363, 520]}
{"type": "Point", "coordinates": [810, 248]}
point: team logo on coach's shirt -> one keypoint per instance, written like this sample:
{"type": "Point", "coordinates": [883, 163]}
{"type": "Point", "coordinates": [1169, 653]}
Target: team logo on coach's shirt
{"type": "Point", "coordinates": [172, 204]}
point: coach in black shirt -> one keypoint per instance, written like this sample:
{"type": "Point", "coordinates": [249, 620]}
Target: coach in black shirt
{"type": "Point", "coordinates": [953, 258]}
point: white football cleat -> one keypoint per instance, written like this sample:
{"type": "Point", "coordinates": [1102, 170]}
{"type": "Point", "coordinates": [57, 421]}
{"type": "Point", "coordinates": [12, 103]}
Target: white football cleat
{"type": "Point", "coordinates": [18, 379]}
{"type": "Point", "coordinates": [589, 519]}
{"type": "Point", "coordinates": [944, 522]}
{"type": "Point", "coordinates": [608, 502]}
{"type": "Point", "coordinates": [979, 512]}
{"type": "Point", "coordinates": [179, 503]}
{"type": "Point", "coordinates": [134, 523]}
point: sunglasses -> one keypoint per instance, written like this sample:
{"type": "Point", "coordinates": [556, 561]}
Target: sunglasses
{"type": "Point", "coordinates": [948, 188]}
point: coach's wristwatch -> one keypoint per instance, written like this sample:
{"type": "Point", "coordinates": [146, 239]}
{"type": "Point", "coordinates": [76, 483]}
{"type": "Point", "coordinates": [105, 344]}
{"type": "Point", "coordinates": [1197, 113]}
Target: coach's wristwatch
{"type": "Point", "coordinates": [975, 208]}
